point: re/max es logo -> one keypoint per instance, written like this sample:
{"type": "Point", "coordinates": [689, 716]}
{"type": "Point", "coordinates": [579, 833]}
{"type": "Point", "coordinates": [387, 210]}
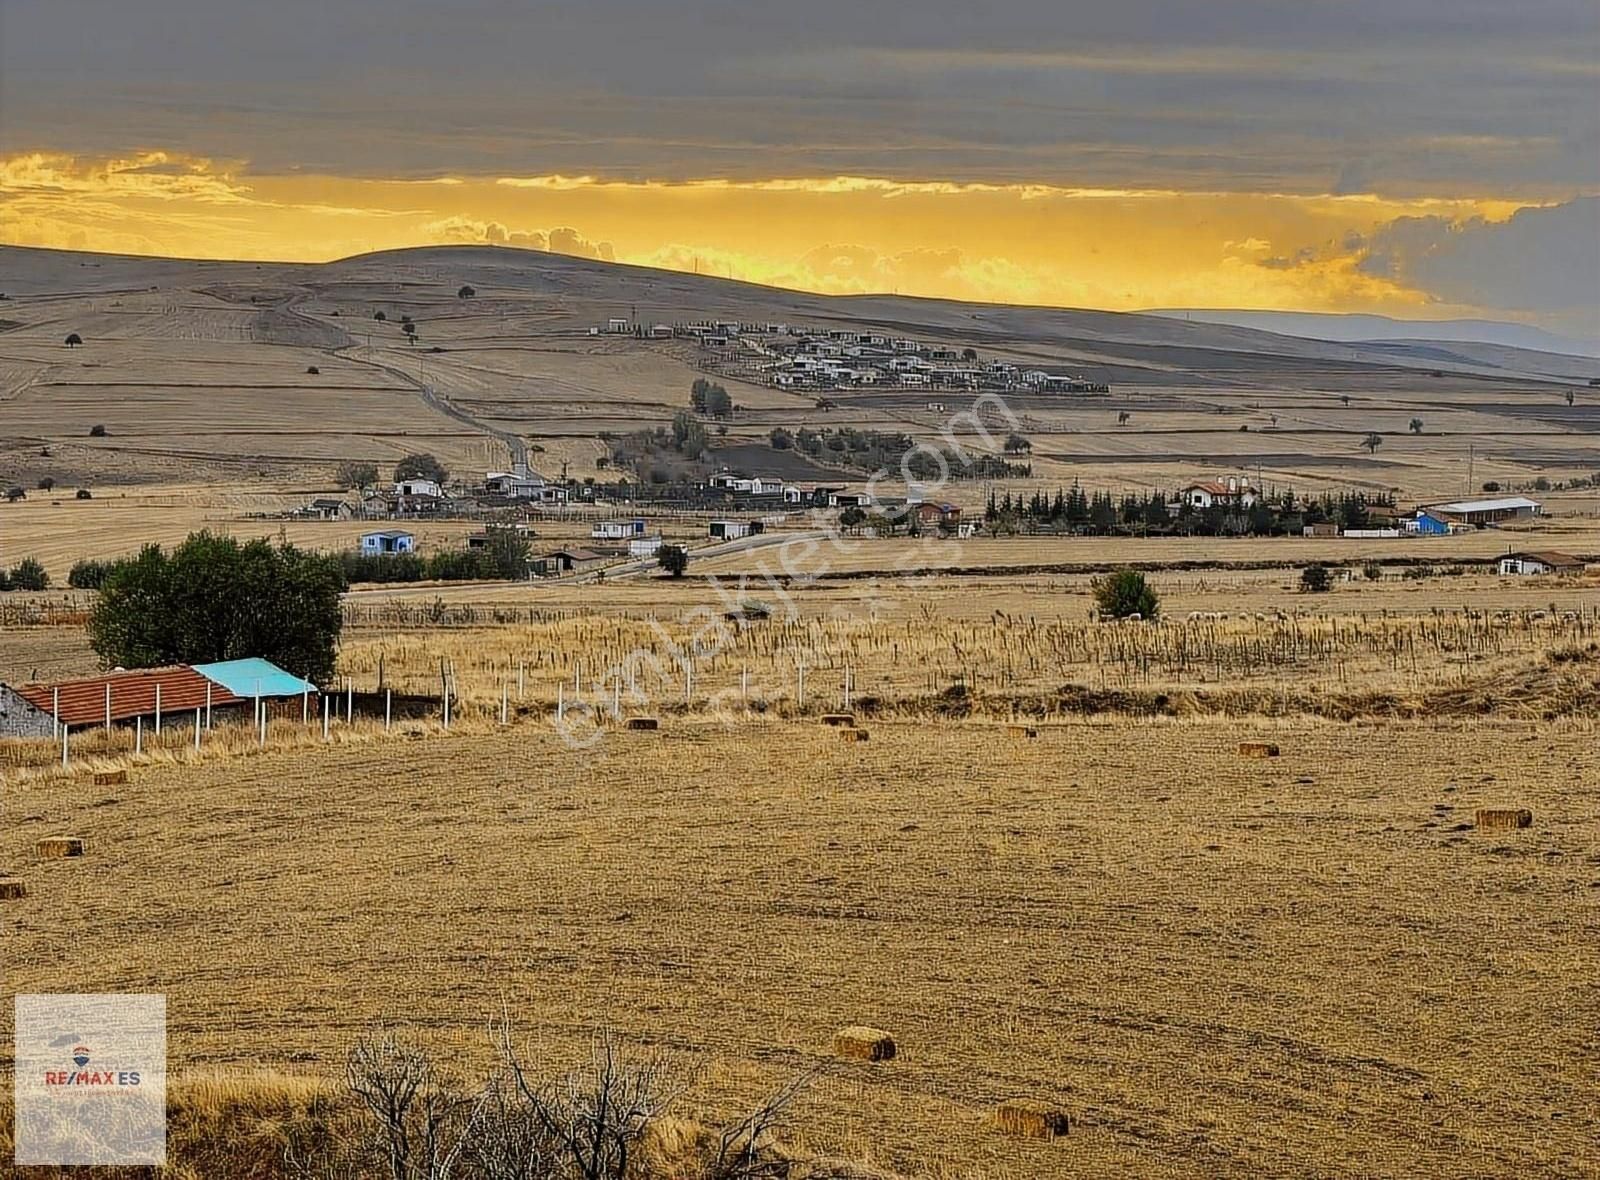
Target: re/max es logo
{"type": "Point", "coordinates": [83, 1076]}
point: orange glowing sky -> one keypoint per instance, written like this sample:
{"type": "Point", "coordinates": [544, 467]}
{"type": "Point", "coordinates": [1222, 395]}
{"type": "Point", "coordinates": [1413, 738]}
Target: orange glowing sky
{"type": "Point", "coordinates": [1251, 156]}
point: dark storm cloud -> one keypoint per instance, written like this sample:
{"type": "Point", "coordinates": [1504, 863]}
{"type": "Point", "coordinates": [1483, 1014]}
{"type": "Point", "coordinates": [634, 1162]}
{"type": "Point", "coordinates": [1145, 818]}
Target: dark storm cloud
{"type": "Point", "coordinates": [1399, 96]}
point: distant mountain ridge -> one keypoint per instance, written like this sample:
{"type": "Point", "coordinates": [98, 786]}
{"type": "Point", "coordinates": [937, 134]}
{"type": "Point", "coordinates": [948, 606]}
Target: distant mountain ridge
{"type": "Point", "coordinates": [1360, 328]}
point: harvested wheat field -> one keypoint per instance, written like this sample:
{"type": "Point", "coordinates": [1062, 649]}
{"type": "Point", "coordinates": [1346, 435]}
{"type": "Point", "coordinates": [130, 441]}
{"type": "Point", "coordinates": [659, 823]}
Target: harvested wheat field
{"type": "Point", "coordinates": [1213, 965]}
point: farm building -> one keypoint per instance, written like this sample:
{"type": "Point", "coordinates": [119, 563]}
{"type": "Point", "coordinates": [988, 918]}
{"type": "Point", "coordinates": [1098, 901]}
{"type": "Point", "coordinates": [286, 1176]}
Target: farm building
{"type": "Point", "coordinates": [1481, 512]}
{"type": "Point", "coordinates": [387, 541]}
{"type": "Point", "coordinates": [565, 561]}
{"type": "Point", "coordinates": [121, 697]}
{"type": "Point", "coordinates": [330, 509]}
{"type": "Point", "coordinates": [733, 530]}
{"type": "Point", "coordinates": [416, 488]}
{"type": "Point", "coordinates": [618, 530]}
{"type": "Point", "coordinates": [1429, 525]}
{"type": "Point", "coordinates": [1234, 493]}
{"type": "Point", "coordinates": [1324, 528]}
{"type": "Point", "coordinates": [1546, 561]}
{"type": "Point", "coordinates": [21, 718]}
{"type": "Point", "coordinates": [644, 546]}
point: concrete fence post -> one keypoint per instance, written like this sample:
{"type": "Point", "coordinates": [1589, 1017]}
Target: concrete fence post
{"type": "Point", "coordinates": [158, 710]}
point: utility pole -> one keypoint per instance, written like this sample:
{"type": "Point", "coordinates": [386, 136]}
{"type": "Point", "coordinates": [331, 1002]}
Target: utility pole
{"type": "Point", "coordinates": [1470, 456]}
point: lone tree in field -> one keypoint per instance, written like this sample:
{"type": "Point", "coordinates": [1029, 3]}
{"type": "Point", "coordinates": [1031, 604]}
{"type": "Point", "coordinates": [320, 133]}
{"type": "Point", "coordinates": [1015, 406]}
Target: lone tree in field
{"type": "Point", "coordinates": [1416, 426]}
{"type": "Point", "coordinates": [1122, 418]}
{"type": "Point", "coordinates": [410, 330]}
{"type": "Point", "coordinates": [97, 431]}
{"type": "Point", "coordinates": [45, 484]}
{"type": "Point", "coordinates": [380, 316]}
{"type": "Point", "coordinates": [1571, 397]}
{"type": "Point", "coordinates": [465, 293]}
{"type": "Point", "coordinates": [1372, 442]}
{"type": "Point", "coordinates": [423, 466]}
{"type": "Point", "coordinates": [673, 558]}
{"type": "Point", "coordinates": [1314, 580]}
{"type": "Point", "coordinates": [73, 340]}
{"type": "Point", "coordinates": [1016, 444]}
{"type": "Point", "coordinates": [212, 598]}
{"type": "Point", "coordinates": [1124, 594]}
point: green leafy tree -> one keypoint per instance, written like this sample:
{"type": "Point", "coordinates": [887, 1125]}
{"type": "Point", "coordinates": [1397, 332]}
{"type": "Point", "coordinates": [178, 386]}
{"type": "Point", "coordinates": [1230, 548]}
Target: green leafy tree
{"type": "Point", "coordinates": [1314, 580]}
{"type": "Point", "coordinates": [673, 558]}
{"type": "Point", "coordinates": [506, 554]}
{"type": "Point", "coordinates": [88, 574]}
{"type": "Point", "coordinates": [1123, 594]}
{"type": "Point", "coordinates": [74, 340]}
{"type": "Point", "coordinates": [213, 598]}
{"type": "Point", "coordinates": [781, 439]}
{"type": "Point", "coordinates": [465, 292]}
{"type": "Point", "coordinates": [1016, 444]}
{"type": "Point", "coordinates": [29, 575]}
{"type": "Point", "coordinates": [1416, 426]}
{"type": "Point", "coordinates": [421, 466]}
{"type": "Point", "coordinates": [1372, 442]}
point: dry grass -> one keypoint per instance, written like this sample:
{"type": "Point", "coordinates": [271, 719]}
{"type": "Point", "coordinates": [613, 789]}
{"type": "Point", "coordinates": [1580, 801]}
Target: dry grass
{"type": "Point", "coordinates": [1124, 919]}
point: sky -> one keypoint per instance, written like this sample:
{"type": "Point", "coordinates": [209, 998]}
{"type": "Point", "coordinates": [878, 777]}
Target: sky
{"type": "Point", "coordinates": [1417, 158]}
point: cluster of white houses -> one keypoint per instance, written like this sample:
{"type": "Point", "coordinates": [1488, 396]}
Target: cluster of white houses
{"type": "Point", "coordinates": [793, 356]}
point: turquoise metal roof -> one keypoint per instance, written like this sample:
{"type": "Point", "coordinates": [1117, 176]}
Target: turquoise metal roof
{"type": "Point", "coordinates": [248, 678]}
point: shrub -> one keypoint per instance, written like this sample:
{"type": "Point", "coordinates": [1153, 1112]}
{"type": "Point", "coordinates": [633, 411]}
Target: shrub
{"type": "Point", "coordinates": [46, 484]}
{"type": "Point", "coordinates": [1125, 593]}
{"type": "Point", "coordinates": [29, 575]}
{"type": "Point", "coordinates": [213, 598]}
{"type": "Point", "coordinates": [1491, 485]}
{"type": "Point", "coordinates": [313, 370]}
{"type": "Point", "coordinates": [1314, 579]}
{"type": "Point", "coordinates": [781, 439]}
{"type": "Point", "coordinates": [74, 340]}
{"type": "Point", "coordinates": [88, 574]}
{"type": "Point", "coordinates": [380, 316]}
{"type": "Point", "coordinates": [14, 494]}
{"type": "Point", "coordinates": [673, 558]}
{"type": "Point", "coordinates": [82, 494]}
{"type": "Point", "coordinates": [465, 293]}
{"type": "Point", "coordinates": [97, 431]}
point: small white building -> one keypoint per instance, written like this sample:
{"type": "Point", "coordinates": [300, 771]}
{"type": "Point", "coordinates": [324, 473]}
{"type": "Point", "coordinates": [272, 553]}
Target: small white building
{"type": "Point", "coordinates": [418, 487]}
{"type": "Point", "coordinates": [733, 530]}
{"type": "Point", "coordinates": [1536, 562]}
{"type": "Point", "coordinates": [385, 542]}
{"type": "Point", "coordinates": [645, 545]}
{"type": "Point", "coordinates": [618, 530]}
{"type": "Point", "coordinates": [619, 325]}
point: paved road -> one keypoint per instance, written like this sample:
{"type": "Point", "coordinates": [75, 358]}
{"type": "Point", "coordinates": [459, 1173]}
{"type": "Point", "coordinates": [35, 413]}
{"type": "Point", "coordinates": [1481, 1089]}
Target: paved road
{"type": "Point", "coordinates": [742, 545]}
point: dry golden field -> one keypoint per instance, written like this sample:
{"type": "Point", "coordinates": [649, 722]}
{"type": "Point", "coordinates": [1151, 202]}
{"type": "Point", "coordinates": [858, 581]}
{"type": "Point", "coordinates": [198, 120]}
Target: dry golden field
{"type": "Point", "coordinates": [1303, 966]}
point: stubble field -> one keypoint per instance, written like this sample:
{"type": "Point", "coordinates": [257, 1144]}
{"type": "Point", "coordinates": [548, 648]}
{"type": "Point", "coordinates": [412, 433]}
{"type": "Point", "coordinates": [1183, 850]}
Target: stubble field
{"type": "Point", "coordinates": [1304, 966]}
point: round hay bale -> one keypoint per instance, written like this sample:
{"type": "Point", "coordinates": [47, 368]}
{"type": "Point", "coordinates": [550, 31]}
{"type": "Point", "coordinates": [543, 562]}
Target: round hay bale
{"type": "Point", "coordinates": [853, 735]}
{"type": "Point", "coordinates": [11, 889]}
{"type": "Point", "coordinates": [52, 847]}
{"type": "Point", "coordinates": [848, 719]}
{"type": "Point", "coordinates": [1500, 819]}
{"type": "Point", "coordinates": [643, 723]}
{"type": "Point", "coordinates": [1031, 1119]}
{"type": "Point", "coordinates": [860, 1043]}
{"type": "Point", "coordinates": [1258, 749]}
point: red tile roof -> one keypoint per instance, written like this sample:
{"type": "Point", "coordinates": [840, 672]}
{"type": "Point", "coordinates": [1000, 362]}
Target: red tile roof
{"type": "Point", "coordinates": [133, 694]}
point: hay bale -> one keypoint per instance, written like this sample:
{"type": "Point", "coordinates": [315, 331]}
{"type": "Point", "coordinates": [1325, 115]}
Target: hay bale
{"type": "Point", "coordinates": [643, 723]}
{"type": "Point", "coordinates": [847, 719]}
{"type": "Point", "coordinates": [1503, 818]}
{"type": "Point", "coordinates": [1258, 749]}
{"type": "Point", "coordinates": [110, 778]}
{"type": "Point", "coordinates": [1022, 731]}
{"type": "Point", "coordinates": [1031, 1119]}
{"type": "Point", "coordinates": [860, 1043]}
{"type": "Point", "coordinates": [11, 889]}
{"type": "Point", "coordinates": [853, 735]}
{"type": "Point", "coordinates": [58, 846]}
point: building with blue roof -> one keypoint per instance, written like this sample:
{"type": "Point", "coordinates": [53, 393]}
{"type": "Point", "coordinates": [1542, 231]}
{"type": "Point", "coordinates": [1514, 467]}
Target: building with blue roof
{"type": "Point", "coordinates": [254, 677]}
